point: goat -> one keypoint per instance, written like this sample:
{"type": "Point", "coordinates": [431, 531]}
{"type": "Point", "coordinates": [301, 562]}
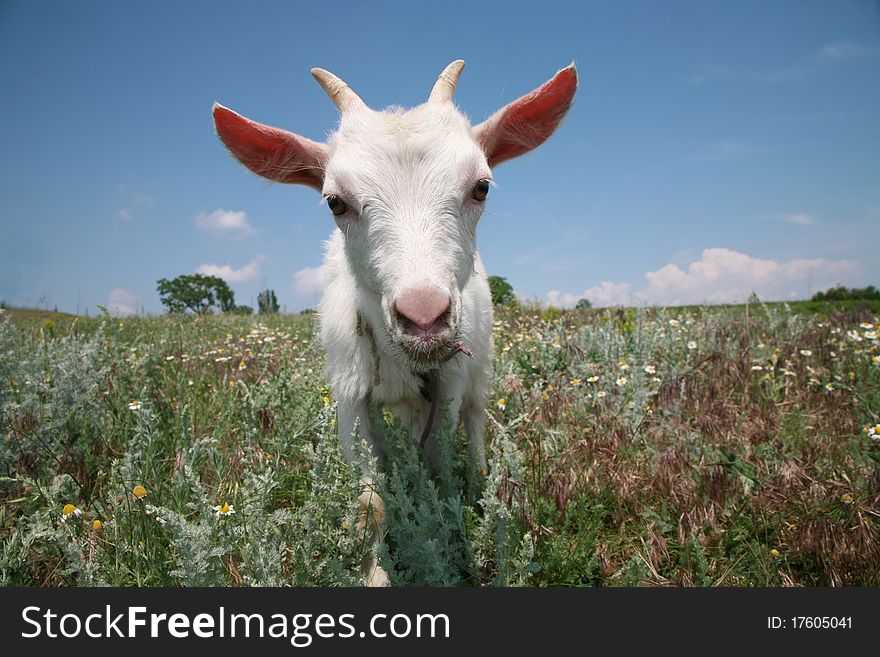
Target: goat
{"type": "Point", "coordinates": [406, 316]}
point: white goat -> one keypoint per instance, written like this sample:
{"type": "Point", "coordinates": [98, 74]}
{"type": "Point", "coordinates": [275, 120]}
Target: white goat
{"type": "Point", "coordinates": [406, 317]}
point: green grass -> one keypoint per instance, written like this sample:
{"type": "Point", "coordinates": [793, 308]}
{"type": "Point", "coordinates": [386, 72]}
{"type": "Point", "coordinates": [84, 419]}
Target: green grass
{"type": "Point", "coordinates": [722, 446]}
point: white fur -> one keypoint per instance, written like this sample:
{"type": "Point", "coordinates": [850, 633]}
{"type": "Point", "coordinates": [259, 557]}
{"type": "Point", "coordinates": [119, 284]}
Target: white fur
{"type": "Point", "coordinates": [407, 179]}
{"type": "Point", "coordinates": [408, 176]}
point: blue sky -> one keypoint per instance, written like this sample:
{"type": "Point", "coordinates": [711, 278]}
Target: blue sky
{"type": "Point", "coordinates": [714, 147]}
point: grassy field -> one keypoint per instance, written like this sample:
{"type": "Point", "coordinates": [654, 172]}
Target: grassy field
{"type": "Point", "coordinates": [697, 446]}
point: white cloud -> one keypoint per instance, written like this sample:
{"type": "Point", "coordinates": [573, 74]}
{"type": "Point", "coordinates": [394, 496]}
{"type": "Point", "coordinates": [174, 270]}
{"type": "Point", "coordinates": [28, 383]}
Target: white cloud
{"type": "Point", "coordinates": [844, 50]}
{"type": "Point", "coordinates": [606, 294]}
{"type": "Point", "coordinates": [121, 302]}
{"type": "Point", "coordinates": [807, 66]}
{"type": "Point", "coordinates": [248, 272]}
{"type": "Point", "coordinates": [225, 221]}
{"type": "Point", "coordinates": [721, 276]}
{"type": "Point", "coordinates": [799, 219]}
{"type": "Point", "coordinates": [139, 201]}
{"type": "Point", "coordinates": [309, 281]}
{"type": "Point", "coordinates": [723, 150]}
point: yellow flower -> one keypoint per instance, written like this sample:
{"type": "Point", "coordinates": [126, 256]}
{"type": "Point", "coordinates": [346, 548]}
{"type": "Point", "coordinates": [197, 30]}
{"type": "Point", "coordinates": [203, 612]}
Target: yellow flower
{"type": "Point", "coordinates": [134, 406]}
{"type": "Point", "coordinates": [575, 382]}
{"type": "Point", "coordinates": [846, 498]}
{"type": "Point", "coordinates": [139, 492]}
{"type": "Point", "coordinates": [68, 511]}
{"type": "Point", "coordinates": [224, 509]}
{"type": "Point", "coordinates": [501, 403]}
{"type": "Point", "coordinates": [97, 525]}
{"type": "Point", "coordinates": [774, 553]}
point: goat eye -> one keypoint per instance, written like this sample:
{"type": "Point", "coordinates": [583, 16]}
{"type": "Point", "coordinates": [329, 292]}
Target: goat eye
{"type": "Point", "coordinates": [481, 190]}
{"type": "Point", "coordinates": [337, 205]}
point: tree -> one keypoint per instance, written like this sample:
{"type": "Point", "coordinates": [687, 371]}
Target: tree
{"type": "Point", "coordinates": [195, 292]}
{"type": "Point", "coordinates": [267, 303]}
{"type": "Point", "coordinates": [583, 304]}
{"type": "Point", "coordinates": [502, 291]}
{"type": "Point", "coordinates": [841, 293]}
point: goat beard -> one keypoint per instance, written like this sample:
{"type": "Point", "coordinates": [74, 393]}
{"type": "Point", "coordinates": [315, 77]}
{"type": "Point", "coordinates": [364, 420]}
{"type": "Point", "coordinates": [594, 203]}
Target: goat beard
{"type": "Point", "coordinates": [430, 351]}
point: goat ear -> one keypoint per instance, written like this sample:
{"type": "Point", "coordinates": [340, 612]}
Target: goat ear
{"type": "Point", "coordinates": [527, 122]}
{"type": "Point", "coordinates": [275, 154]}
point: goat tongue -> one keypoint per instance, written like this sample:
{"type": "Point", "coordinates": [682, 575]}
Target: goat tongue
{"type": "Point", "coordinates": [467, 352]}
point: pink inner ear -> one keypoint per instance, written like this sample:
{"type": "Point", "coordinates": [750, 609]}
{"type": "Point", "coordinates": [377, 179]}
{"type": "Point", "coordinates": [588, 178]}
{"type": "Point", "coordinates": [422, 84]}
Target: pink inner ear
{"type": "Point", "coordinates": [527, 122]}
{"type": "Point", "coordinates": [269, 152]}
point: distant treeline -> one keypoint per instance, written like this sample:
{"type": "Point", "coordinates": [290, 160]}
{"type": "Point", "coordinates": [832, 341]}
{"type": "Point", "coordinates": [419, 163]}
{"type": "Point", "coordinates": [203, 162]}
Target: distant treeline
{"type": "Point", "coordinates": [841, 293]}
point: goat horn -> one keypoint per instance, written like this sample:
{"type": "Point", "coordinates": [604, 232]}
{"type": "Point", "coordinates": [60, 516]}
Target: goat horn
{"type": "Point", "coordinates": [340, 93]}
{"type": "Point", "coordinates": [444, 88]}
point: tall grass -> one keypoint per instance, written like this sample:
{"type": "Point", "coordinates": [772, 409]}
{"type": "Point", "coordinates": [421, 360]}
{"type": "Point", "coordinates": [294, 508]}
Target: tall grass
{"type": "Point", "coordinates": [695, 447]}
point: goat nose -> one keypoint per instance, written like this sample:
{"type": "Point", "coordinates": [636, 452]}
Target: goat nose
{"type": "Point", "coordinates": [423, 307]}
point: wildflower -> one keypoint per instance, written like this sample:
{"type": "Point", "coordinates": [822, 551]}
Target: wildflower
{"type": "Point", "coordinates": [134, 406]}
{"type": "Point", "coordinates": [224, 509]}
{"type": "Point", "coordinates": [545, 395]}
{"type": "Point", "coordinates": [875, 360]}
{"type": "Point", "coordinates": [242, 365]}
{"type": "Point", "coordinates": [621, 381]}
{"type": "Point", "coordinates": [576, 382]}
{"type": "Point", "coordinates": [692, 345]}
{"type": "Point", "coordinates": [68, 511]}
{"type": "Point", "coordinates": [787, 372]}
{"type": "Point", "coordinates": [774, 553]}
{"type": "Point", "coordinates": [873, 431]}
{"type": "Point", "coordinates": [556, 345]}
{"type": "Point", "coordinates": [168, 358]}
{"type": "Point", "coordinates": [757, 368]}
{"type": "Point", "coordinates": [829, 387]}
{"type": "Point", "coordinates": [97, 525]}
{"type": "Point", "coordinates": [650, 369]}
{"type": "Point", "coordinates": [593, 379]}
{"type": "Point", "coordinates": [866, 325]}
{"type": "Point", "coordinates": [501, 403]}
{"type": "Point", "coordinates": [601, 394]}
{"type": "Point", "coordinates": [623, 365]}
{"type": "Point", "coordinates": [139, 492]}
{"type": "Point", "coordinates": [870, 335]}
{"type": "Point", "coordinates": [846, 498]}
{"type": "Point", "coordinates": [674, 322]}
{"type": "Point", "coordinates": [806, 353]}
